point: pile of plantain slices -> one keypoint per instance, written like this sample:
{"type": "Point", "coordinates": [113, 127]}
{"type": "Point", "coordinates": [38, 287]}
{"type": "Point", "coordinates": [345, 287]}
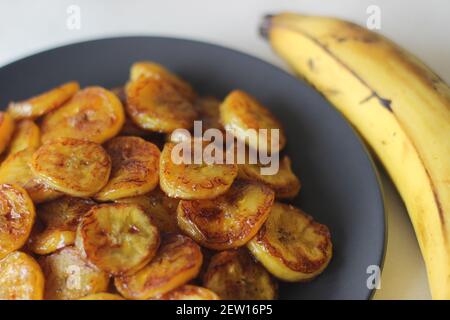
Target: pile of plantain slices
{"type": "Point", "coordinates": [93, 205]}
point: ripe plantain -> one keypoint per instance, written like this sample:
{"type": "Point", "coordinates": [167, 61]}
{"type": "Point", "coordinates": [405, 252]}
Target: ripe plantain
{"type": "Point", "coordinates": [6, 130]}
{"type": "Point", "coordinates": [285, 183]}
{"type": "Point", "coordinates": [291, 245]}
{"type": "Point", "coordinates": [161, 208]}
{"type": "Point", "coordinates": [189, 292]}
{"type": "Point", "coordinates": [69, 276]}
{"type": "Point", "coordinates": [43, 103]}
{"type": "Point", "coordinates": [26, 135]}
{"type": "Point", "coordinates": [400, 107]}
{"type": "Point", "coordinates": [21, 278]}
{"type": "Point", "coordinates": [178, 261]}
{"type": "Point", "coordinates": [228, 221]}
{"type": "Point", "coordinates": [61, 218]}
{"type": "Point", "coordinates": [234, 275]}
{"type": "Point", "coordinates": [78, 168]}
{"type": "Point", "coordinates": [135, 168]}
{"type": "Point", "coordinates": [93, 114]}
{"type": "Point", "coordinates": [194, 181]}
{"type": "Point", "coordinates": [118, 238]}
{"type": "Point", "coordinates": [156, 71]}
{"type": "Point", "coordinates": [17, 217]}
{"type": "Point", "coordinates": [208, 112]}
{"type": "Point", "coordinates": [154, 104]}
{"type": "Point", "coordinates": [102, 296]}
{"type": "Point", "coordinates": [240, 112]}
{"type": "Point", "coordinates": [16, 169]}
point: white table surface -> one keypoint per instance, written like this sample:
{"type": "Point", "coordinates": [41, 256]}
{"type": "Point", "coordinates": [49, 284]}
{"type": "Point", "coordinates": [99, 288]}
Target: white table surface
{"type": "Point", "coordinates": [423, 27]}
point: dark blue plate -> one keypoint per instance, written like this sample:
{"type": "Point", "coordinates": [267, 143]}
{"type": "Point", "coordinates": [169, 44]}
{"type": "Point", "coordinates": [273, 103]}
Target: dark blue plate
{"type": "Point", "coordinates": [340, 186]}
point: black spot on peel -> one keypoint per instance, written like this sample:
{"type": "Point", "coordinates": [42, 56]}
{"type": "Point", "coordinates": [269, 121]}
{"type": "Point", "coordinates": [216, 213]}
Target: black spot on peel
{"type": "Point", "coordinates": [311, 64]}
{"type": "Point", "coordinates": [384, 102]}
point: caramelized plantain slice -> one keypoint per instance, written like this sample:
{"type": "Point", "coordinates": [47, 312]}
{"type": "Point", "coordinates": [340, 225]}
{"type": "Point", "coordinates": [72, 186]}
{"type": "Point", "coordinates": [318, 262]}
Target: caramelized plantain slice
{"type": "Point", "coordinates": [26, 135]}
{"type": "Point", "coordinates": [102, 296]}
{"type": "Point", "coordinates": [178, 261]}
{"type": "Point", "coordinates": [285, 183]}
{"type": "Point", "coordinates": [234, 275]}
{"type": "Point", "coordinates": [156, 71]}
{"type": "Point", "coordinates": [194, 181]}
{"type": "Point", "coordinates": [228, 221]}
{"type": "Point", "coordinates": [189, 292]}
{"type": "Point", "coordinates": [93, 114]}
{"type": "Point", "coordinates": [291, 245]}
{"type": "Point", "coordinates": [61, 218]}
{"type": "Point", "coordinates": [155, 105]}
{"type": "Point", "coordinates": [161, 208]}
{"type": "Point", "coordinates": [21, 278]}
{"type": "Point", "coordinates": [118, 238]}
{"type": "Point", "coordinates": [68, 276]}
{"type": "Point", "coordinates": [16, 169]}
{"type": "Point", "coordinates": [17, 217]}
{"type": "Point", "coordinates": [240, 112]}
{"type": "Point", "coordinates": [78, 168]}
{"type": "Point", "coordinates": [135, 168]}
{"type": "Point", "coordinates": [208, 112]}
{"type": "Point", "coordinates": [43, 103]}
{"type": "Point", "coordinates": [6, 130]}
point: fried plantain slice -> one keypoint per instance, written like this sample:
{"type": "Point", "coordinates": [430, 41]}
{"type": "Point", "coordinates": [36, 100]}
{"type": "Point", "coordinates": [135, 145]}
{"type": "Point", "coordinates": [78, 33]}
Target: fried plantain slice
{"type": "Point", "coordinates": [240, 112]}
{"type": "Point", "coordinates": [17, 217]}
{"type": "Point", "coordinates": [26, 135]}
{"type": "Point", "coordinates": [178, 261]}
{"type": "Point", "coordinates": [93, 114]}
{"type": "Point", "coordinates": [118, 238]}
{"type": "Point", "coordinates": [21, 278]}
{"type": "Point", "coordinates": [61, 218]}
{"type": "Point", "coordinates": [208, 112]}
{"type": "Point", "coordinates": [285, 183]}
{"type": "Point", "coordinates": [234, 275]}
{"type": "Point", "coordinates": [135, 168]}
{"type": "Point", "coordinates": [16, 169]}
{"type": "Point", "coordinates": [291, 245]}
{"type": "Point", "coordinates": [228, 221]}
{"type": "Point", "coordinates": [194, 181]}
{"type": "Point", "coordinates": [6, 130]}
{"type": "Point", "coordinates": [161, 208]}
{"type": "Point", "coordinates": [189, 292]}
{"type": "Point", "coordinates": [43, 103]}
{"type": "Point", "coordinates": [68, 276]}
{"type": "Point", "coordinates": [78, 168]}
{"type": "Point", "coordinates": [102, 296]}
{"type": "Point", "coordinates": [156, 71]}
{"type": "Point", "coordinates": [155, 105]}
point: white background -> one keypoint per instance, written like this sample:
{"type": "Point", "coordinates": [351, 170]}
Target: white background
{"type": "Point", "coordinates": [423, 27]}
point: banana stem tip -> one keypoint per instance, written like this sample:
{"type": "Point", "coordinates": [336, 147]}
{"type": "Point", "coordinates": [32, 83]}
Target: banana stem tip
{"type": "Point", "coordinates": [264, 27]}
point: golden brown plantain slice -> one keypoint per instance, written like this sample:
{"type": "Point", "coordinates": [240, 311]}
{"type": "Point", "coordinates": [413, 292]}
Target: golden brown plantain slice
{"type": "Point", "coordinates": [135, 168]}
{"type": "Point", "coordinates": [118, 238]}
{"type": "Point", "coordinates": [43, 103]}
{"type": "Point", "coordinates": [79, 168]}
{"type": "Point", "coordinates": [234, 275]}
{"type": "Point", "coordinates": [26, 135]}
{"type": "Point", "coordinates": [228, 221]}
{"type": "Point", "coordinates": [61, 218]}
{"type": "Point", "coordinates": [93, 114]}
{"type": "Point", "coordinates": [161, 208]}
{"type": "Point", "coordinates": [285, 183]}
{"type": "Point", "coordinates": [6, 130]}
{"type": "Point", "coordinates": [240, 112]}
{"type": "Point", "coordinates": [102, 296]}
{"type": "Point", "coordinates": [21, 278]}
{"type": "Point", "coordinates": [156, 71]}
{"type": "Point", "coordinates": [178, 261]}
{"type": "Point", "coordinates": [17, 217]}
{"type": "Point", "coordinates": [194, 181]}
{"type": "Point", "coordinates": [291, 245]}
{"type": "Point", "coordinates": [208, 112]}
{"type": "Point", "coordinates": [68, 276]}
{"type": "Point", "coordinates": [155, 105]}
{"type": "Point", "coordinates": [16, 169]}
{"type": "Point", "coordinates": [189, 292]}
